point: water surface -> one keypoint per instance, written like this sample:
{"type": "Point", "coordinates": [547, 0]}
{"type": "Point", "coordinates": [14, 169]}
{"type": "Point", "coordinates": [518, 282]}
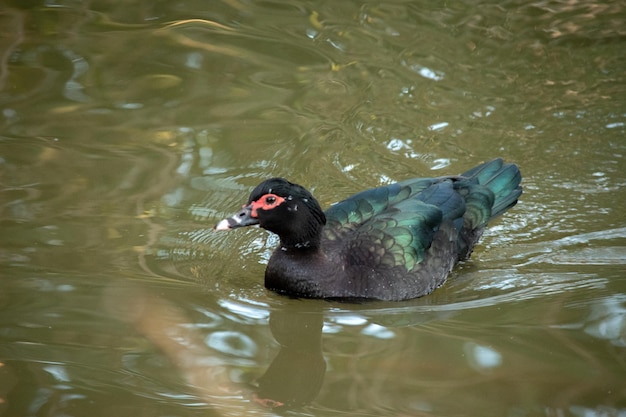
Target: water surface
{"type": "Point", "coordinates": [128, 130]}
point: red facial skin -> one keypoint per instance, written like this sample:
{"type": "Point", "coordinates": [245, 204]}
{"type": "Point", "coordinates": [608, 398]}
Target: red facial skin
{"type": "Point", "coordinates": [267, 202]}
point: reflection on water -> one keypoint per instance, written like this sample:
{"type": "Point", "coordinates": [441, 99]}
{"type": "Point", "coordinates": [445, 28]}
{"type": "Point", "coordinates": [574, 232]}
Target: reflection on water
{"type": "Point", "coordinates": [126, 132]}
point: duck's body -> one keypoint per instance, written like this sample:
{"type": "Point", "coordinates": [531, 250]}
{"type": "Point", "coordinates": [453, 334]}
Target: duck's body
{"type": "Point", "coordinates": [389, 243]}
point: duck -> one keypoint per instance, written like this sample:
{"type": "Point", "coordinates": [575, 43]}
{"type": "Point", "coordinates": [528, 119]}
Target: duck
{"type": "Point", "coordinates": [394, 242]}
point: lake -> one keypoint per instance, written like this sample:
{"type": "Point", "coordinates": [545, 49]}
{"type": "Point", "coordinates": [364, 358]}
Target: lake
{"type": "Point", "coordinates": [129, 129]}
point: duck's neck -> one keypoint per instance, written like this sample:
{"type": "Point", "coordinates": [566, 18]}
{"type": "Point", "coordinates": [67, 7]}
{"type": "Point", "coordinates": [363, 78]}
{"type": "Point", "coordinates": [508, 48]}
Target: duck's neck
{"type": "Point", "coordinates": [299, 247]}
{"type": "Point", "coordinates": [307, 242]}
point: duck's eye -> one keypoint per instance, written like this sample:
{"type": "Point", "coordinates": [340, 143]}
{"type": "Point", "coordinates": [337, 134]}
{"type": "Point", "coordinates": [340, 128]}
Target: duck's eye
{"type": "Point", "coordinates": [267, 202]}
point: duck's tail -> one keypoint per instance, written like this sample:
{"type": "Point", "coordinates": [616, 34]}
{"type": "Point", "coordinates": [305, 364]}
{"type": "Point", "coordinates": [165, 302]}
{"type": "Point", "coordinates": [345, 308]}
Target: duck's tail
{"type": "Point", "coordinates": [502, 179]}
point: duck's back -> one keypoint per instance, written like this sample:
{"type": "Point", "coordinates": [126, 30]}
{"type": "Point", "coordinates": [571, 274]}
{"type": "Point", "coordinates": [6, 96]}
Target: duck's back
{"type": "Point", "coordinates": [400, 241]}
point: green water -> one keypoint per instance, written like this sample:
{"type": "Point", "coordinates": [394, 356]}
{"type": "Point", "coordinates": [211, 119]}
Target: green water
{"type": "Point", "coordinates": [128, 129]}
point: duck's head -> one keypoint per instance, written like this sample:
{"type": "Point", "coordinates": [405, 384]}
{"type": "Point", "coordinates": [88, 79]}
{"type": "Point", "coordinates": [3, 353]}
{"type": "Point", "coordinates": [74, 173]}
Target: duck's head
{"type": "Point", "coordinates": [284, 208]}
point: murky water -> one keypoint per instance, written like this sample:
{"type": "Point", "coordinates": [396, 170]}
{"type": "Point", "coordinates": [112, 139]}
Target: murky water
{"type": "Point", "coordinates": [127, 129]}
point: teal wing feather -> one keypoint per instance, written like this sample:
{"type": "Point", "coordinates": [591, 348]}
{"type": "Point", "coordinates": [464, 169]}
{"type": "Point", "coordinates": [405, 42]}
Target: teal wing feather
{"type": "Point", "coordinates": [348, 214]}
{"type": "Point", "coordinates": [478, 203]}
{"type": "Point", "coordinates": [500, 179]}
{"type": "Point", "coordinates": [395, 225]}
{"type": "Point", "coordinates": [399, 236]}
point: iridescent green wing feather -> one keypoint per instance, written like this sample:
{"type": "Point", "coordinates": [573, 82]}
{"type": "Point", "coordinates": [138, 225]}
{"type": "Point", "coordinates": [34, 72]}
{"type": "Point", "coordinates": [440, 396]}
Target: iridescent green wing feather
{"type": "Point", "coordinates": [349, 214]}
{"type": "Point", "coordinates": [394, 225]}
{"type": "Point", "coordinates": [400, 233]}
{"type": "Point", "coordinates": [502, 183]}
{"type": "Point", "coordinates": [399, 236]}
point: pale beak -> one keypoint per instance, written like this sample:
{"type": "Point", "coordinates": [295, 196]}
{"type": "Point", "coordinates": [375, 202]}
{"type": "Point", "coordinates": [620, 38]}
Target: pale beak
{"type": "Point", "coordinates": [241, 219]}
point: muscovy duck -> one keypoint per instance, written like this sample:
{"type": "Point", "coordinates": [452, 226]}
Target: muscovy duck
{"type": "Point", "coordinates": [394, 242]}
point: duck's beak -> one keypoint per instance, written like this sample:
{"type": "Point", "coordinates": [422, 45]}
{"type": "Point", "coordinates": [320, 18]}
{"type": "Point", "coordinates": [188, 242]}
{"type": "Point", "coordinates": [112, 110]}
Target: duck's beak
{"type": "Point", "coordinates": [242, 218]}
